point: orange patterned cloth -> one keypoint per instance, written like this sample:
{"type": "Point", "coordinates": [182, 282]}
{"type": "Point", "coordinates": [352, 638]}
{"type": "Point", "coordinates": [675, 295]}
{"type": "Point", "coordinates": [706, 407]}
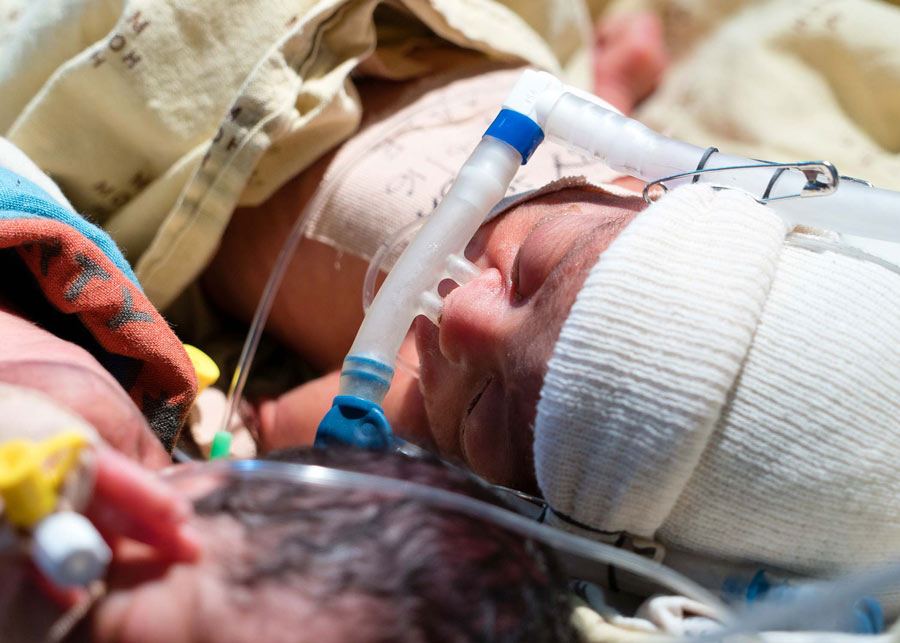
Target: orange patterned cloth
{"type": "Point", "coordinates": [84, 276]}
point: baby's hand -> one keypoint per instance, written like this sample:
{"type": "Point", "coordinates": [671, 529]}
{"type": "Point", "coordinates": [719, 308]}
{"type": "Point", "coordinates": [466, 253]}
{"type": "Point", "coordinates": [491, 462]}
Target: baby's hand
{"type": "Point", "coordinates": [130, 502]}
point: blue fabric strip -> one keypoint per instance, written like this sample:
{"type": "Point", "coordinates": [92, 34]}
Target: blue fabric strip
{"type": "Point", "coordinates": [22, 199]}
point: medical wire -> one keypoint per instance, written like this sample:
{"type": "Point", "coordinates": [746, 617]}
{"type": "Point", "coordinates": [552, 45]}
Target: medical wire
{"type": "Point", "coordinates": [451, 501]}
{"type": "Point", "coordinates": [260, 316]}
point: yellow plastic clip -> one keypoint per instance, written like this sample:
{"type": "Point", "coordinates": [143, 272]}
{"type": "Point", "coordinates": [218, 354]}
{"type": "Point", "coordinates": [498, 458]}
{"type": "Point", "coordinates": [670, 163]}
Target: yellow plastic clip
{"type": "Point", "coordinates": [31, 473]}
{"type": "Point", "coordinates": [206, 369]}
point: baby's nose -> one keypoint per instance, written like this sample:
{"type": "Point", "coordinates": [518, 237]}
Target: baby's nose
{"type": "Point", "coordinates": [472, 320]}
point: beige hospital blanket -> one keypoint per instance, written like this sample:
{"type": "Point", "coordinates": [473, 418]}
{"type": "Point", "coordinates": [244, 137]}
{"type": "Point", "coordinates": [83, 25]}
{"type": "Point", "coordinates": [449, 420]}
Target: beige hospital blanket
{"type": "Point", "coordinates": [784, 80]}
{"type": "Point", "coordinates": [158, 117]}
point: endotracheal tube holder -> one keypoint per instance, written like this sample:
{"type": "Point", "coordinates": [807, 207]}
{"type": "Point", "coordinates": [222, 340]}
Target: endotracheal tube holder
{"type": "Point", "coordinates": [540, 105]}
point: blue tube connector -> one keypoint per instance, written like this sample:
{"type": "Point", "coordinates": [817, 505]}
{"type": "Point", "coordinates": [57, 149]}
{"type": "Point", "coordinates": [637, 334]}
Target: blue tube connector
{"type": "Point", "coordinates": [356, 417]}
{"type": "Point", "coordinates": [354, 421]}
{"type": "Point", "coordinates": [517, 130]}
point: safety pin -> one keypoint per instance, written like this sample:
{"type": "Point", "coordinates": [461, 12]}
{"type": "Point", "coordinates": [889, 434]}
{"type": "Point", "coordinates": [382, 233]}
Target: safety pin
{"type": "Point", "coordinates": [812, 171]}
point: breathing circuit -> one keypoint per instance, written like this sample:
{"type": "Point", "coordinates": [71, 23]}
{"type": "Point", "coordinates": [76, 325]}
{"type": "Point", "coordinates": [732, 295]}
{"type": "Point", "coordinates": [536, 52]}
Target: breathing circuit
{"type": "Point", "coordinates": [540, 106]}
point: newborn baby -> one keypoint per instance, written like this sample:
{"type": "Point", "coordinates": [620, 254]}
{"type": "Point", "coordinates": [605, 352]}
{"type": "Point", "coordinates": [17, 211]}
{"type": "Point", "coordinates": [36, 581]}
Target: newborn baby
{"type": "Point", "coordinates": [691, 395]}
{"type": "Point", "coordinates": [709, 386]}
{"type": "Point", "coordinates": [98, 333]}
{"type": "Point", "coordinates": [482, 370]}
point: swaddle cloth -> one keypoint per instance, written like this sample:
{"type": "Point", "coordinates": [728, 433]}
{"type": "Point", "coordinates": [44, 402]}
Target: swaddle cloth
{"type": "Point", "coordinates": [783, 81]}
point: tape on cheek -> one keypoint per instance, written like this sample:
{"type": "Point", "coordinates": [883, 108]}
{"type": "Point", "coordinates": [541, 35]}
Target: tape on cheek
{"type": "Point", "coordinates": [563, 183]}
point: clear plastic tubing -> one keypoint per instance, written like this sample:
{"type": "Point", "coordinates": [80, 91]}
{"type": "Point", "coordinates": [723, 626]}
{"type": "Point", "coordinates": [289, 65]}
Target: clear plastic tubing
{"type": "Point", "coordinates": [447, 500]}
{"type": "Point", "coordinates": [629, 146]}
{"type": "Point", "coordinates": [809, 611]}
{"type": "Point", "coordinates": [434, 255]}
{"type": "Point", "coordinates": [376, 266]}
{"type": "Point", "coordinates": [258, 324]}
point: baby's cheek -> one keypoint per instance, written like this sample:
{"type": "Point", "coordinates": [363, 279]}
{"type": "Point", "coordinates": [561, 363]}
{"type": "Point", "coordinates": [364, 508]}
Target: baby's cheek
{"type": "Point", "coordinates": [487, 443]}
{"type": "Point", "coordinates": [442, 408]}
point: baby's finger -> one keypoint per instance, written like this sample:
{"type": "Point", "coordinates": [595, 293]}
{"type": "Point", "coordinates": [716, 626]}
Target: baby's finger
{"type": "Point", "coordinates": [129, 501]}
{"type": "Point", "coordinates": [175, 542]}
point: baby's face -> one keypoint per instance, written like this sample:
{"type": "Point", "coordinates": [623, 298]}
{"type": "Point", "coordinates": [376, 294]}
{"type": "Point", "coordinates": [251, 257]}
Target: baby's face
{"type": "Point", "coordinates": [482, 369]}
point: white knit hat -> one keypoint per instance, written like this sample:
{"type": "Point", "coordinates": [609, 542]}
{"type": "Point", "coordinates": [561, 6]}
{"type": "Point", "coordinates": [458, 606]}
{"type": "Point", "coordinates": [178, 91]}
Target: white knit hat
{"type": "Point", "coordinates": [726, 393]}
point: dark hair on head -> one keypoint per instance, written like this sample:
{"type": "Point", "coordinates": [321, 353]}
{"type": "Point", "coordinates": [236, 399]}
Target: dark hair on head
{"type": "Point", "coordinates": [434, 575]}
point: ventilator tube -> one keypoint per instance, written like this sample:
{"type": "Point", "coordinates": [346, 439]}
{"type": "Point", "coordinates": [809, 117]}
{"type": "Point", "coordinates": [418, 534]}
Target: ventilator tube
{"type": "Point", "coordinates": [539, 106]}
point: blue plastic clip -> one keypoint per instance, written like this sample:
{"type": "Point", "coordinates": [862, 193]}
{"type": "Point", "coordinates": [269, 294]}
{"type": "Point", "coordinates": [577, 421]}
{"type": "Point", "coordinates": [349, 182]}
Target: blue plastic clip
{"type": "Point", "coordinates": [866, 616]}
{"type": "Point", "coordinates": [355, 421]}
{"type": "Point", "coordinates": [517, 130]}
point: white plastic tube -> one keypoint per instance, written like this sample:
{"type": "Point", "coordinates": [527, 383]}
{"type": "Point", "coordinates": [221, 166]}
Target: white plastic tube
{"type": "Point", "coordinates": [628, 146]}
{"type": "Point", "coordinates": [435, 254]}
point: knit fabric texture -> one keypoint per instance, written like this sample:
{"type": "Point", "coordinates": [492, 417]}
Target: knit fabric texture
{"type": "Point", "coordinates": [728, 394]}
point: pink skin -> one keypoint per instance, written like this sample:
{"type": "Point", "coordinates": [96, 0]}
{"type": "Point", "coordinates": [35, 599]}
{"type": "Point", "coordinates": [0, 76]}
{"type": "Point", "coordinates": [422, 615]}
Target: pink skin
{"type": "Point", "coordinates": [34, 358]}
{"type": "Point", "coordinates": [629, 58]}
{"type": "Point", "coordinates": [131, 503]}
{"type": "Point", "coordinates": [143, 519]}
{"type": "Point", "coordinates": [163, 557]}
{"type": "Point", "coordinates": [482, 370]}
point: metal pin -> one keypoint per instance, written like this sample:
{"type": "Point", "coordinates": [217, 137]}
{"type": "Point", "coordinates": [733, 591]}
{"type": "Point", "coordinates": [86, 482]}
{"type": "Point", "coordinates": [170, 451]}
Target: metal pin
{"type": "Point", "coordinates": [822, 178]}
